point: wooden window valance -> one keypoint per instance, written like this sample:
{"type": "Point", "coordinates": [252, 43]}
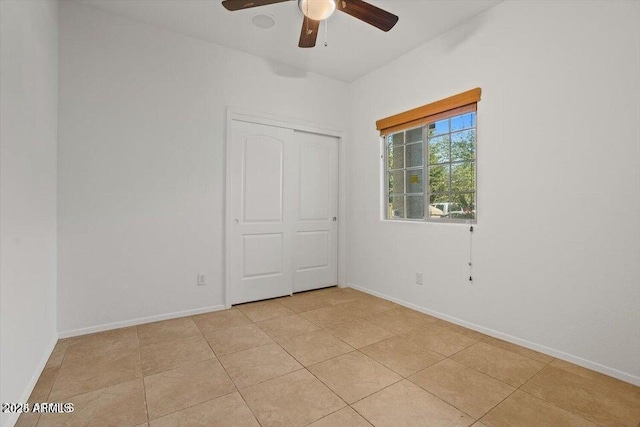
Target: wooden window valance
{"type": "Point", "coordinates": [456, 104]}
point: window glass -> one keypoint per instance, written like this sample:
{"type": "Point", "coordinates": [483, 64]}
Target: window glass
{"type": "Point", "coordinates": [446, 183]}
{"type": "Point", "coordinates": [414, 155]}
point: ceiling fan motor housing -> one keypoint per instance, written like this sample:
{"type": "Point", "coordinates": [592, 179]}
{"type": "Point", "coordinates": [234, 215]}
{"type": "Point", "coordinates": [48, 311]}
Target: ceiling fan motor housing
{"type": "Point", "coordinates": [318, 10]}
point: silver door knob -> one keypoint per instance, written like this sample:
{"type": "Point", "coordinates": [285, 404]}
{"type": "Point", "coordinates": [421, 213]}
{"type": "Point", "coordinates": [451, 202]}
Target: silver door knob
{"type": "Point", "coordinates": [335, 219]}
{"type": "Point", "coordinates": [235, 221]}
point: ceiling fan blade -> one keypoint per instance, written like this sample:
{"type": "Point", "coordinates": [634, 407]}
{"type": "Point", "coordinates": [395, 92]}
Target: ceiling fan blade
{"type": "Point", "coordinates": [368, 13]}
{"type": "Point", "coordinates": [246, 4]}
{"type": "Point", "coordinates": [309, 33]}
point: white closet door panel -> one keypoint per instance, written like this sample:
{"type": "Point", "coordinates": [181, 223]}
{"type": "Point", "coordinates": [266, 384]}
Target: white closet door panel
{"type": "Point", "coordinates": [314, 249]}
{"type": "Point", "coordinates": [262, 179]}
{"type": "Point", "coordinates": [316, 231]}
{"type": "Point", "coordinates": [259, 229]}
{"type": "Point", "coordinates": [315, 183]}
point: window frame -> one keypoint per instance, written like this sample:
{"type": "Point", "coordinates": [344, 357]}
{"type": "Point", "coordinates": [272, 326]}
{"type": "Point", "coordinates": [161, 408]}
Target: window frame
{"type": "Point", "coordinates": [424, 125]}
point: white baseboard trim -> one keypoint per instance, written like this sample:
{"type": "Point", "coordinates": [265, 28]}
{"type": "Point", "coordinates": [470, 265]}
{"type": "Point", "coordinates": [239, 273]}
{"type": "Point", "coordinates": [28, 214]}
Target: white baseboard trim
{"type": "Point", "coordinates": [594, 366]}
{"type": "Point", "coordinates": [139, 321]}
{"type": "Point", "coordinates": [13, 418]}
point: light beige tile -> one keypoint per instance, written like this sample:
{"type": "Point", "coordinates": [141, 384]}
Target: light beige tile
{"type": "Point", "coordinates": [118, 405]}
{"type": "Point", "coordinates": [314, 347]}
{"type": "Point", "coordinates": [522, 409]}
{"type": "Point", "coordinates": [478, 336]}
{"type": "Point", "coordinates": [264, 310]}
{"type": "Point", "coordinates": [399, 321]}
{"type": "Point", "coordinates": [598, 377]}
{"type": "Point", "coordinates": [424, 316]}
{"type": "Point", "coordinates": [41, 390]}
{"type": "Point", "coordinates": [329, 316]}
{"type": "Point", "coordinates": [167, 330]}
{"type": "Point", "coordinates": [92, 345]}
{"type": "Point", "coordinates": [188, 385]}
{"type": "Point", "coordinates": [360, 294]}
{"type": "Point", "coordinates": [363, 307]}
{"type": "Point", "coordinates": [287, 326]}
{"type": "Point", "coordinates": [593, 400]}
{"type": "Point", "coordinates": [27, 419]}
{"type": "Point", "coordinates": [427, 330]}
{"type": "Point", "coordinates": [346, 417]}
{"type": "Point", "coordinates": [405, 404]}
{"type": "Point", "coordinates": [239, 338]}
{"type": "Point", "coordinates": [300, 303]}
{"type": "Point", "coordinates": [359, 333]}
{"type": "Point", "coordinates": [446, 343]}
{"type": "Point", "coordinates": [225, 411]}
{"type": "Point", "coordinates": [57, 355]}
{"type": "Point", "coordinates": [522, 351]}
{"type": "Point", "coordinates": [353, 293]}
{"type": "Point", "coordinates": [353, 376]}
{"type": "Point", "coordinates": [95, 373]}
{"type": "Point", "coordinates": [295, 399]}
{"type": "Point", "coordinates": [258, 364]}
{"type": "Point", "coordinates": [217, 320]}
{"type": "Point", "coordinates": [468, 390]}
{"type": "Point", "coordinates": [172, 354]}
{"type": "Point", "coordinates": [504, 365]}
{"type": "Point", "coordinates": [339, 295]}
{"type": "Point", "coordinates": [401, 355]}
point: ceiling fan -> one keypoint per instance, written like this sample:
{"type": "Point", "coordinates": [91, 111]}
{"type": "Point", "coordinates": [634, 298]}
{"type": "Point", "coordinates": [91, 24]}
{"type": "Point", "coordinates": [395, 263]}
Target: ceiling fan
{"type": "Point", "coordinates": [318, 10]}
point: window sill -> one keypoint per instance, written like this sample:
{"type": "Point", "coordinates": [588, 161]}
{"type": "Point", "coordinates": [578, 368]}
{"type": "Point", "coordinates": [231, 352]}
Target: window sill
{"type": "Point", "coordinates": [422, 221]}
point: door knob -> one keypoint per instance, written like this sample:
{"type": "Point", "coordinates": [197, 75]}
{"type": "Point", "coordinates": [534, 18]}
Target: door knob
{"type": "Point", "coordinates": [235, 221]}
{"type": "Point", "coordinates": [335, 219]}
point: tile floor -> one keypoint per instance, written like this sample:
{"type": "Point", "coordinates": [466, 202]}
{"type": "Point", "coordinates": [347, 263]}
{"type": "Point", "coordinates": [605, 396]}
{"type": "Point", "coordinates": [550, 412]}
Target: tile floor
{"type": "Point", "coordinates": [333, 357]}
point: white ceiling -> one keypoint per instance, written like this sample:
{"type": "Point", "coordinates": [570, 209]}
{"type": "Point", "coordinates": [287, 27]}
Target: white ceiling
{"type": "Point", "coordinates": [354, 49]}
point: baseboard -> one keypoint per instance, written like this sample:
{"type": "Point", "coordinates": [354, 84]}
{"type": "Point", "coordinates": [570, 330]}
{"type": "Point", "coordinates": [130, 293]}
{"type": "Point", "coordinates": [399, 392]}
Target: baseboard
{"type": "Point", "coordinates": [594, 366]}
{"type": "Point", "coordinates": [138, 321]}
{"type": "Point", "coordinates": [13, 418]}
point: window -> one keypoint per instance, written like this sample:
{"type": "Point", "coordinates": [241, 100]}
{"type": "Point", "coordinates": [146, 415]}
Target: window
{"type": "Point", "coordinates": [430, 164]}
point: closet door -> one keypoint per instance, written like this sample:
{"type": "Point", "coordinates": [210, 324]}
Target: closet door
{"type": "Point", "coordinates": [315, 224]}
{"type": "Point", "coordinates": [283, 199]}
{"type": "Point", "coordinates": [260, 225]}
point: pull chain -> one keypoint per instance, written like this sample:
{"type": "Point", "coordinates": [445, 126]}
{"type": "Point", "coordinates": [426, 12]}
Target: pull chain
{"type": "Point", "coordinates": [471, 254]}
{"type": "Point", "coordinates": [326, 32]}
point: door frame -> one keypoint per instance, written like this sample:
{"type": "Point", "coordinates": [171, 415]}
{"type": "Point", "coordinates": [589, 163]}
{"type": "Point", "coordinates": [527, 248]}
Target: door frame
{"type": "Point", "coordinates": [244, 115]}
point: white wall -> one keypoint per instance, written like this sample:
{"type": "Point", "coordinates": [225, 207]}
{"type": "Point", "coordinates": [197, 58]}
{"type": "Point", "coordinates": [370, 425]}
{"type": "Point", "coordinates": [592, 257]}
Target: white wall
{"type": "Point", "coordinates": [28, 128]}
{"type": "Point", "coordinates": [557, 244]}
{"type": "Point", "coordinates": [141, 149]}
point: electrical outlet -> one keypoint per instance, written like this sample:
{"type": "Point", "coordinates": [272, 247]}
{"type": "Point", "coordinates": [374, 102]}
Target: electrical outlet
{"type": "Point", "coordinates": [418, 278]}
{"type": "Point", "coordinates": [201, 279]}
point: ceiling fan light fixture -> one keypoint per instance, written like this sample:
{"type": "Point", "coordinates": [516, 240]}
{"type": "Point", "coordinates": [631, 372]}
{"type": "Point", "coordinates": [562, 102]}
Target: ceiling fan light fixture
{"type": "Point", "coordinates": [318, 10]}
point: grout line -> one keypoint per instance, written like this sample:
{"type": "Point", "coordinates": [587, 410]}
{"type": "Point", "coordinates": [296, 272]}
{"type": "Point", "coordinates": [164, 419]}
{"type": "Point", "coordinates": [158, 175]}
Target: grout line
{"type": "Point", "coordinates": [191, 406]}
{"type": "Point", "coordinates": [362, 415]}
{"type": "Point", "coordinates": [306, 368]}
{"type": "Point", "coordinates": [233, 382]}
{"type": "Point", "coordinates": [545, 400]}
{"type": "Point", "coordinates": [325, 416]}
{"type": "Point", "coordinates": [52, 384]}
{"type": "Point", "coordinates": [377, 391]}
{"type": "Point", "coordinates": [181, 366]}
{"type": "Point", "coordinates": [64, 354]}
{"type": "Point", "coordinates": [516, 389]}
{"type": "Point", "coordinates": [144, 387]}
